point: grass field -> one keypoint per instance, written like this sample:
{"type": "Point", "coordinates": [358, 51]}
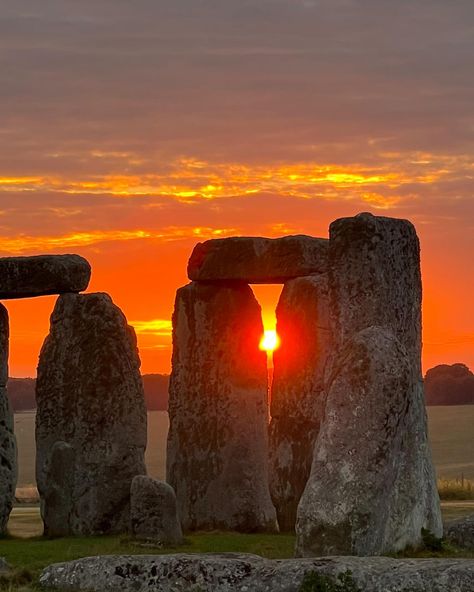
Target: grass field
{"type": "Point", "coordinates": [451, 435]}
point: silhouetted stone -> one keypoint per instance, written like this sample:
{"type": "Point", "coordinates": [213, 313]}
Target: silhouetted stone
{"type": "Point", "coordinates": [371, 488]}
{"type": "Point", "coordinates": [23, 277]}
{"type": "Point", "coordinates": [217, 458]}
{"type": "Point", "coordinates": [90, 397]}
{"type": "Point", "coordinates": [153, 511]}
{"type": "Point", "coordinates": [258, 260]}
{"type": "Point", "coordinates": [297, 405]}
{"type": "Point", "coordinates": [449, 385]}
{"type": "Point", "coordinates": [8, 454]}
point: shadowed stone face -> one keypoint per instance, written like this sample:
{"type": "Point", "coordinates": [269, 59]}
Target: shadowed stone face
{"type": "Point", "coordinates": [256, 260]}
{"type": "Point", "coordinates": [153, 511]}
{"type": "Point", "coordinates": [217, 444]}
{"type": "Point", "coordinates": [297, 404]}
{"type": "Point", "coordinates": [8, 455]}
{"type": "Point", "coordinates": [372, 485]}
{"type": "Point", "coordinates": [90, 404]}
{"type": "Point", "coordinates": [23, 277]}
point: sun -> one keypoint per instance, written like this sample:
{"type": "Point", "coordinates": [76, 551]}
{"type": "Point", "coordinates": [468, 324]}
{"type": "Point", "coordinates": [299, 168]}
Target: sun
{"type": "Point", "coordinates": [270, 340]}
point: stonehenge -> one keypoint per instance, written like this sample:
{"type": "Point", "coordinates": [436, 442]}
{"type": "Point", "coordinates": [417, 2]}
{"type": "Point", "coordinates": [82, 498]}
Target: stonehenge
{"type": "Point", "coordinates": [349, 463]}
{"type": "Point", "coordinates": [335, 449]}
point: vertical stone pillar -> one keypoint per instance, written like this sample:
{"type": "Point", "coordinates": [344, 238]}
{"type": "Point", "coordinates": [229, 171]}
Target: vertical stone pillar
{"type": "Point", "coordinates": [91, 418]}
{"type": "Point", "coordinates": [372, 486]}
{"type": "Point", "coordinates": [297, 403]}
{"type": "Point", "coordinates": [217, 458]}
{"type": "Point", "coordinates": [8, 454]}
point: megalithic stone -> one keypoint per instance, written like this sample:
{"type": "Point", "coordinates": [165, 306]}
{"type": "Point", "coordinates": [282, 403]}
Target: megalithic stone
{"type": "Point", "coordinates": [297, 404]}
{"type": "Point", "coordinates": [370, 491]}
{"type": "Point", "coordinates": [217, 459]}
{"type": "Point", "coordinates": [90, 410]}
{"type": "Point", "coordinates": [8, 451]}
{"type": "Point", "coordinates": [375, 281]}
{"type": "Point", "coordinates": [375, 278]}
{"type": "Point", "coordinates": [24, 277]}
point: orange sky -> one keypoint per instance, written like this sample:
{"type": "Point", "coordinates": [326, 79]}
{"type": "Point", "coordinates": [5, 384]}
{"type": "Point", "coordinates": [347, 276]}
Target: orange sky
{"type": "Point", "coordinates": [131, 131]}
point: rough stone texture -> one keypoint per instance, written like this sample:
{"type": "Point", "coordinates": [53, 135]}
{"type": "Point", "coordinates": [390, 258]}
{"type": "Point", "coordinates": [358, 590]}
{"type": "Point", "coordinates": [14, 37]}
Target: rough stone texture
{"type": "Point", "coordinates": [461, 532]}
{"type": "Point", "coordinates": [258, 260]}
{"type": "Point", "coordinates": [375, 278]}
{"type": "Point", "coordinates": [90, 398]}
{"type": "Point", "coordinates": [23, 277]}
{"type": "Point", "coordinates": [59, 494]}
{"type": "Point", "coordinates": [370, 490]}
{"type": "Point", "coordinates": [297, 404]}
{"type": "Point", "coordinates": [217, 459]}
{"type": "Point", "coordinates": [249, 573]}
{"type": "Point", "coordinates": [153, 511]}
{"type": "Point", "coordinates": [8, 454]}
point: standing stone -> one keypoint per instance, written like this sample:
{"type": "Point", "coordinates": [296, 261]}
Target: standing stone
{"type": "Point", "coordinates": [8, 454]}
{"type": "Point", "coordinates": [257, 260]}
{"type": "Point", "coordinates": [153, 513]}
{"type": "Point", "coordinates": [375, 279]}
{"type": "Point", "coordinates": [23, 277]}
{"type": "Point", "coordinates": [375, 426]}
{"type": "Point", "coordinates": [217, 459]}
{"type": "Point", "coordinates": [297, 404]}
{"type": "Point", "coordinates": [91, 413]}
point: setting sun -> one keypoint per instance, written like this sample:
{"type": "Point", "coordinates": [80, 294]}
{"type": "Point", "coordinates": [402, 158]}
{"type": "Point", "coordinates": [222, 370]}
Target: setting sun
{"type": "Point", "coordinates": [270, 340]}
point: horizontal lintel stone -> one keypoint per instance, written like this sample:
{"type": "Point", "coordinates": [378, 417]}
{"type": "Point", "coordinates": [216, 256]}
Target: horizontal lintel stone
{"type": "Point", "coordinates": [258, 260]}
{"type": "Point", "coordinates": [25, 277]}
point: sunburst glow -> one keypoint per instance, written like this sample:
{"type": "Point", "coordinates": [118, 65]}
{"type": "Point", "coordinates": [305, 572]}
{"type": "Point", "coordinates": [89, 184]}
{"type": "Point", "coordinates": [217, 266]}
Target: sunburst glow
{"type": "Point", "coordinates": [270, 340]}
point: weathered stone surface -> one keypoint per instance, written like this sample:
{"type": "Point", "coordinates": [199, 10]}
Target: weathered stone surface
{"type": "Point", "coordinates": [371, 489]}
{"type": "Point", "coordinates": [217, 459]}
{"type": "Point", "coordinates": [8, 454]}
{"type": "Point", "coordinates": [23, 277]}
{"type": "Point", "coordinates": [58, 498]}
{"type": "Point", "coordinates": [249, 573]}
{"type": "Point", "coordinates": [375, 278]}
{"type": "Point", "coordinates": [258, 260]}
{"type": "Point", "coordinates": [297, 404]}
{"type": "Point", "coordinates": [153, 511]}
{"type": "Point", "coordinates": [90, 398]}
{"type": "Point", "coordinates": [461, 532]}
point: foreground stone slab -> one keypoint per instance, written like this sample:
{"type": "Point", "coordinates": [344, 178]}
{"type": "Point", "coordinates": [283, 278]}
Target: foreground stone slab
{"type": "Point", "coordinates": [249, 573]}
{"type": "Point", "coordinates": [217, 458]}
{"type": "Point", "coordinates": [153, 511]}
{"type": "Point", "coordinates": [258, 260]}
{"type": "Point", "coordinates": [369, 492]}
{"type": "Point", "coordinates": [298, 398]}
{"type": "Point", "coordinates": [24, 277]}
{"type": "Point", "coordinates": [91, 418]}
{"type": "Point", "coordinates": [8, 454]}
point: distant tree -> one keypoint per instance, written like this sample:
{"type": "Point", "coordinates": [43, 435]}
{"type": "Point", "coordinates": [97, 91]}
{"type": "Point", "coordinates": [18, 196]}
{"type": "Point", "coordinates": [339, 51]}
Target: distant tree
{"type": "Point", "coordinates": [449, 385]}
{"type": "Point", "coordinates": [22, 395]}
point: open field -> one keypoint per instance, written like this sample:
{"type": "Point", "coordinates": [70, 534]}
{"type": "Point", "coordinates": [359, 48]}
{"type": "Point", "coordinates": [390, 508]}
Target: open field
{"type": "Point", "coordinates": [451, 435]}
